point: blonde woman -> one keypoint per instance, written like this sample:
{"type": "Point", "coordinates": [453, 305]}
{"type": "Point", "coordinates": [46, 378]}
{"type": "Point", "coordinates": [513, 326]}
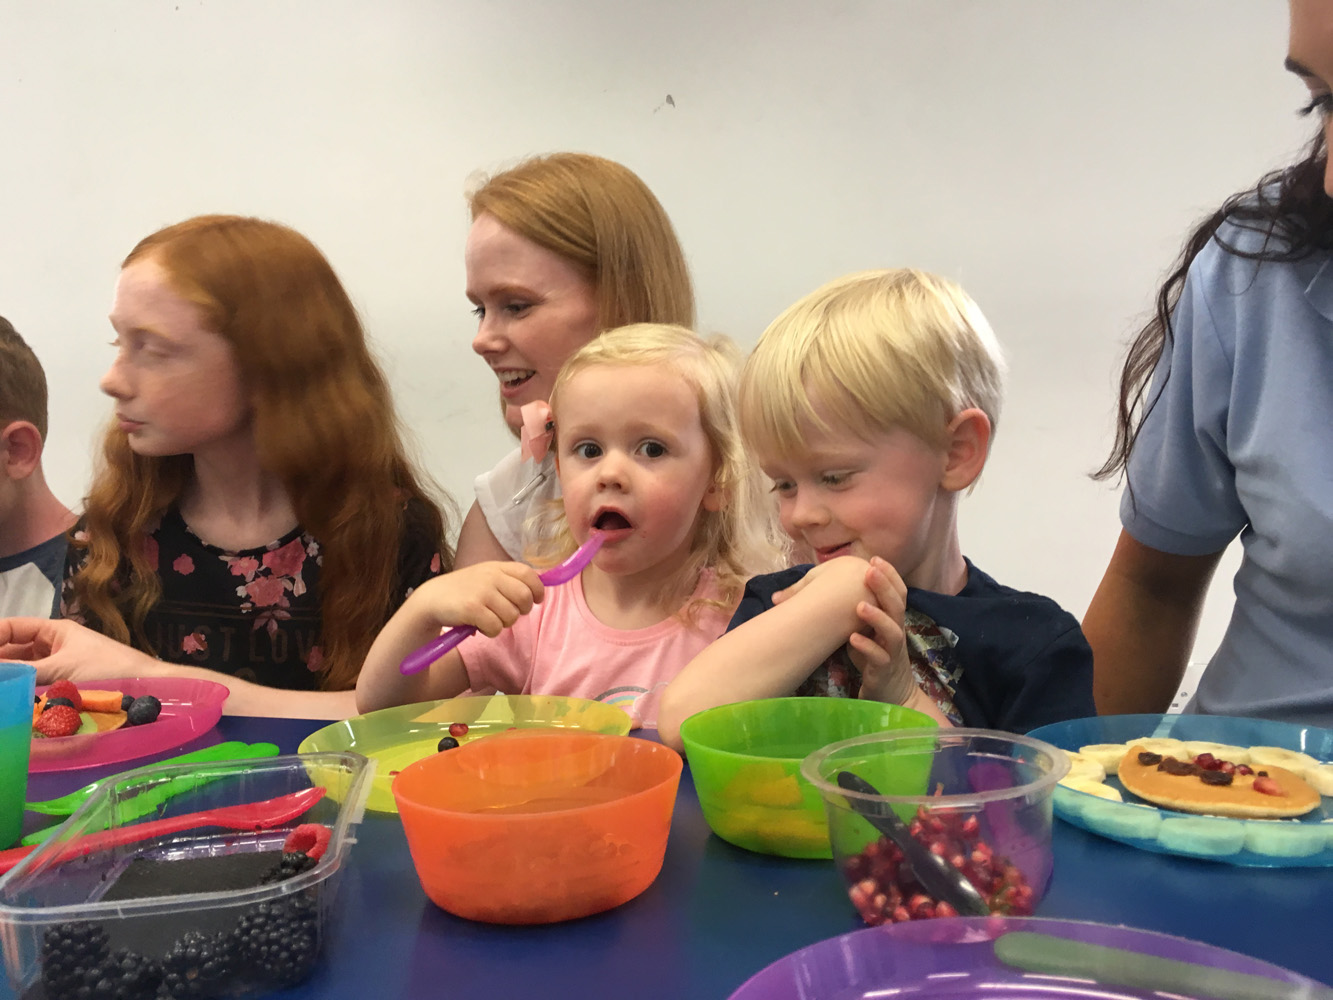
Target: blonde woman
{"type": "Point", "coordinates": [561, 248]}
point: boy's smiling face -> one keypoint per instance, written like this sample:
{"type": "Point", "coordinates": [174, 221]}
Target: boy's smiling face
{"type": "Point", "coordinates": [879, 494]}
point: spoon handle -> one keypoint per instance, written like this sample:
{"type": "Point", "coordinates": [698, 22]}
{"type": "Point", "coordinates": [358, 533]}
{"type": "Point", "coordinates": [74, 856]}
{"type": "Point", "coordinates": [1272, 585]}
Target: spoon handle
{"type": "Point", "coordinates": [421, 658]}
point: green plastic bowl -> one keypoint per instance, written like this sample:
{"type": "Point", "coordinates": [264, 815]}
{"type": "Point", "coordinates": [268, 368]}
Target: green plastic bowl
{"type": "Point", "coordinates": [402, 735]}
{"type": "Point", "coordinates": [746, 762]}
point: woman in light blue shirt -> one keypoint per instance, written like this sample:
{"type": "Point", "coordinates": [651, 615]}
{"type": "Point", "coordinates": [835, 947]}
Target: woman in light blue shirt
{"type": "Point", "coordinates": [1226, 430]}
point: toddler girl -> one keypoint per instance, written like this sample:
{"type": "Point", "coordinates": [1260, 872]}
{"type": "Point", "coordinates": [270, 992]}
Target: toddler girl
{"type": "Point", "coordinates": [647, 453]}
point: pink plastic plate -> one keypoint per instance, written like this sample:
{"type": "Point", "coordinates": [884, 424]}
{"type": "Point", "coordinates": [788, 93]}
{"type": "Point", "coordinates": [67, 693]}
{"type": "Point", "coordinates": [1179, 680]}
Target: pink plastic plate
{"type": "Point", "coordinates": [190, 708]}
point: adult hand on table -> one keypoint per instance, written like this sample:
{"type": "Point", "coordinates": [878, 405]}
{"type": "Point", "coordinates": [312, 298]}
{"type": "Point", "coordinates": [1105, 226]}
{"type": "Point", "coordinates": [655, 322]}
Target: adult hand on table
{"type": "Point", "coordinates": [60, 648]}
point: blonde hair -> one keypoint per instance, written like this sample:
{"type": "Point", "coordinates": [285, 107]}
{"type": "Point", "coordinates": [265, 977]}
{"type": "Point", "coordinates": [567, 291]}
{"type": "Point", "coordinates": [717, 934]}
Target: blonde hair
{"type": "Point", "coordinates": [324, 423]}
{"type": "Point", "coordinates": [737, 541]}
{"type": "Point", "coordinates": [875, 350]}
{"type": "Point", "coordinates": [601, 217]}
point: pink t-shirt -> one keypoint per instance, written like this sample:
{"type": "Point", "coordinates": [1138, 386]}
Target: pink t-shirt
{"type": "Point", "coordinates": [561, 648]}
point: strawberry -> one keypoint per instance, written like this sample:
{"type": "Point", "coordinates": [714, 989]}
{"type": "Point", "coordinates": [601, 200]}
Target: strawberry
{"type": "Point", "coordinates": [1267, 786]}
{"type": "Point", "coordinates": [59, 721]}
{"type": "Point", "coordinates": [66, 689]}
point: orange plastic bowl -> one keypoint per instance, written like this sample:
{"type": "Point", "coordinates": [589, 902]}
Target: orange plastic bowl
{"type": "Point", "coordinates": [532, 827]}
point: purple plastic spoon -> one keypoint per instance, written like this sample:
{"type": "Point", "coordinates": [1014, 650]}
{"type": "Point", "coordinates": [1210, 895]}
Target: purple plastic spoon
{"type": "Point", "coordinates": [420, 659]}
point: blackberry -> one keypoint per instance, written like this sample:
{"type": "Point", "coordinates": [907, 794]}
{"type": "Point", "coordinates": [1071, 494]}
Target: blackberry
{"type": "Point", "coordinates": [292, 863]}
{"type": "Point", "coordinates": [52, 702]}
{"type": "Point", "coordinates": [198, 965]}
{"type": "Point", "coordinates": [279, 940]}
{"type": "Point", "coordinates": [71, 952]}
{"type": "Point", "coordinates": [143, 710]}
{"type": "Point", "coordinates": [127, 975]}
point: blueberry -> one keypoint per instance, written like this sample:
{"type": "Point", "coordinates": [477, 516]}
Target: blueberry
{"type": "Point", "coordinates": [447, 743]}
{"type": "Point", "coordinates": [126, 700]}
{"type": "Point", "coordinates": [52, 702]}
{"type": "Point", "coordinates": [143, 710]}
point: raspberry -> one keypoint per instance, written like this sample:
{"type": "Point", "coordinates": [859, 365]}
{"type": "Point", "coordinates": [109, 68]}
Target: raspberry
{"type": "Point", "coordinates": [59, 721]}
{"type": "Point", "coordinates": [311, 839]}
{"type": "Point", "coordinates": [66, 689]}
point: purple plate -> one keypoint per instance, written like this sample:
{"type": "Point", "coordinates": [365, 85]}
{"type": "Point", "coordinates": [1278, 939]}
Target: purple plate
{"type": "Point", "coordinates": [956, 959]}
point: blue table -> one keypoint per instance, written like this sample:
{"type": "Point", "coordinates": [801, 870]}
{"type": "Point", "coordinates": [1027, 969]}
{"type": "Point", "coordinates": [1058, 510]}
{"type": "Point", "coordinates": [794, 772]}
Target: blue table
{"type": "Point", "coordinates": [718, 914]}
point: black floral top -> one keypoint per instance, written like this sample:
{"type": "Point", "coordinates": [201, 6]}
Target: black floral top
{"type": "Point", "coordinates": [253, 614]}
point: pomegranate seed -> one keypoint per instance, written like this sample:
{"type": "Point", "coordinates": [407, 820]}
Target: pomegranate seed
{"type": "Point", "coordinates": [1208, 762]}
{"type": "Point", "coordinates": [971, 828]}
{"type": "Point", "coordinates": [1227, 767]}
{"type": "Point", "coordinates": [1244, 769]}
{"type": "Point", "coordinates": [458, 730]}
{"type": "Point", "coordinates": [900, 915]}
{"type": "Point", "coordinates": [943, 909]}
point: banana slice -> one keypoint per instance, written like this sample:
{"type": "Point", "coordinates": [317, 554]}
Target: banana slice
{"type": "Point", "coordinates": [1292, 760]}
{"type": "Point", "coordinates": [1283, 838]}
{"type": "Point", "coordinates": [1320, 778]}
{"type": "Point", "coordinates": [1092, 788]}
{"type": "Point", "coordinates": [1106, 754]}
{"type": "Point", "coordinates": [1165, 746]}
{"type": "Point", "coordinates": [1222, 751]}
{"type": "Point", "coordinates": [1125, 820]}
{"type": "Point", "coordinates": [1082, 767]}
{"type": "Point", "coordinates": [1214, 838]}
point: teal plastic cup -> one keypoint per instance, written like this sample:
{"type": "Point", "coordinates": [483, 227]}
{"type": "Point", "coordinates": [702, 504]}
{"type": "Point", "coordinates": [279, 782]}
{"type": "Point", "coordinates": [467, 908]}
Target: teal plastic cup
{"type": "Point", "coordinates": [18, 682]}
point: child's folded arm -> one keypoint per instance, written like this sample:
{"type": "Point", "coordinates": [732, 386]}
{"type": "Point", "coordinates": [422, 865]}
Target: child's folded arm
{"type": "Point", "coordinates": [770, 655]}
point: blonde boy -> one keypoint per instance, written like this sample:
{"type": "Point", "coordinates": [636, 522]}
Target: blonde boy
{"type": "Point", "coordinates": [32, 521]}
{"type": "Point", "coordinates": [871, 404]}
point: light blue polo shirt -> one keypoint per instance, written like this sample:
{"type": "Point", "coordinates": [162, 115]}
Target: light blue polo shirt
{"type": "Point", "coordinates": [1241, 442]}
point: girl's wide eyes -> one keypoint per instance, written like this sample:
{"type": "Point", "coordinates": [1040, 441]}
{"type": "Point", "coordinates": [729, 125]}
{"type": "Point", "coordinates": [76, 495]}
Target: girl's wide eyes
{"type": "Point", "coordinates": [586, 449]}
{"type": "Point", "coordinates": [652, 449]}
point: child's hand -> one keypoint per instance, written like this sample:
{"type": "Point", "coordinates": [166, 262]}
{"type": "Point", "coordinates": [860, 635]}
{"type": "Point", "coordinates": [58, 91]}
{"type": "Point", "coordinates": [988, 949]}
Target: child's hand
{"type": "Point", "coordinates": [880, 650]}
{"type": "Point", "coordinates": [490, 596]}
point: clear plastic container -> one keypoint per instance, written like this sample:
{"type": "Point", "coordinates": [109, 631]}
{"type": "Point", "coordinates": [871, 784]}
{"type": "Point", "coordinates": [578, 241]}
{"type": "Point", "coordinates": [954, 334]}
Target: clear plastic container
{"type": "Point", "coordinates": [979, 798]}
{"type": "Point", "coordinates": [189, 904]}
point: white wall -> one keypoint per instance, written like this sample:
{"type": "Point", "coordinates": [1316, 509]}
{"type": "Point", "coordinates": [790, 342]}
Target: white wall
{"type": "Point", "coordinates": [1050, 154]}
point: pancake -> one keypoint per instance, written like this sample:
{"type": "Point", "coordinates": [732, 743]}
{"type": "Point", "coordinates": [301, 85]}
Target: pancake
{"type": "Point", "coordinates": [1189, 793]}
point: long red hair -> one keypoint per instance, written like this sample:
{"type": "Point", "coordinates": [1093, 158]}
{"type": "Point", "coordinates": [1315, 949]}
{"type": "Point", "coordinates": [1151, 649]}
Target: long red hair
{"type": "Point", "coordinates": [324, 424]}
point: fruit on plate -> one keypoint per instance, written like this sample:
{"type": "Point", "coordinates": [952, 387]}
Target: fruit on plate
{"type": "Point", "coordinates": [94, 711]}
{"type": "Point", "coordinates": [57, 720]}
{"type": "Point", "coordinates": [1213, 787]}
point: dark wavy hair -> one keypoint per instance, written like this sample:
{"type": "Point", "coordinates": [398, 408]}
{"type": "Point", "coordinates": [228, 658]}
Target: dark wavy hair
{"type": "Point", "coordinates": [1290, 208]}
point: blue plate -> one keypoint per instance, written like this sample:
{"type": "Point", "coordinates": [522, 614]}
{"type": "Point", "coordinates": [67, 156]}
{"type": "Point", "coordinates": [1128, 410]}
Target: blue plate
{"type": "Point", "coordinates": [1303, 843]}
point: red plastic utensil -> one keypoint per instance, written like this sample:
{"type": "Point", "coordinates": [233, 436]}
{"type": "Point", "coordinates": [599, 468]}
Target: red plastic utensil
{"type": "Point", "coordinates": [424, 656]}
{"type": "Point", "coordinates": [246, 816]}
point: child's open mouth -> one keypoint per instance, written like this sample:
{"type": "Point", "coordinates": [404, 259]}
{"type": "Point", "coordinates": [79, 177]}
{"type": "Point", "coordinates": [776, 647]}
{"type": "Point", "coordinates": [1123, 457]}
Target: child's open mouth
{"type": "Point", "coordinates": [611, 521]}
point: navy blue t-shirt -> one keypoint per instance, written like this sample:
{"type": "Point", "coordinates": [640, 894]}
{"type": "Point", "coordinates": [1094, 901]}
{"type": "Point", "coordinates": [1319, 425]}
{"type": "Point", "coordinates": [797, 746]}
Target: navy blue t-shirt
{"type": "Point", "coordinates": [999, 658]}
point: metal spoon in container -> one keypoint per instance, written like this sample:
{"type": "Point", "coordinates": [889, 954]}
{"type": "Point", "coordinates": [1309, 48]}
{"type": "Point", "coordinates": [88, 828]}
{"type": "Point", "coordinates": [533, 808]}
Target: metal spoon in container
{"type": "Point", "coordinates": [941, 879]}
